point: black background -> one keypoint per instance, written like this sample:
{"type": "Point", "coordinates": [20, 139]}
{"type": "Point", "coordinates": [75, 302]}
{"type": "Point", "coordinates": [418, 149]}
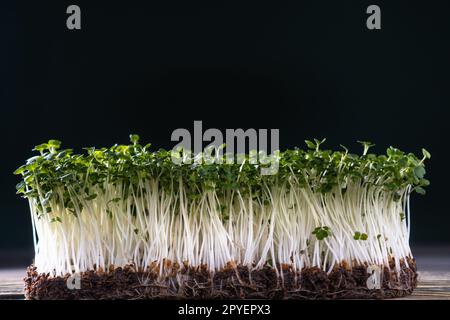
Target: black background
{"type": "Point", "coordinates": [309, 68]}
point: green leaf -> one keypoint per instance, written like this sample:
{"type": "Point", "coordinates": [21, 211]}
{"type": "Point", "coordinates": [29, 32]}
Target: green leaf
{"type": "Point", "coordinates": [419, 171]}
{"type": "Point", "coordinates": [20, 170]}
{"type": "Point", "coordinates": [310, 144]}
{"type": "Point", "coordinates": [420, 190]}
{"type": "Point", "coordinates": [55, 144]}
{"type": "Point", "coordinates": [41, 147]}
{"type": "Point", "coordinates": [319, 142]}
{"type": "Point", "coordinates": [344, 147]}
{"type": "Point", "coordinates": [20, 187]}
{"type": "Point", "coordinates": [134, 138]}
{"type": "Point", "coordinates": [321, 232]}
{"type": "Point", "coordinates": [367, 145]}
{"type": "Point", "coordinates": [360, 236]}
{"type": "Point", "coordinates": [56, 219]}
{"type": "Point", "coordinates": [426, 154]}
{"type": "Point", "coordinates": [90, 197]}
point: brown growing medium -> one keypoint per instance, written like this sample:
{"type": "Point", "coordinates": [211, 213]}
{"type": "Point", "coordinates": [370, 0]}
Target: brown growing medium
{"type": "Point", "coordinates": [233, 282]}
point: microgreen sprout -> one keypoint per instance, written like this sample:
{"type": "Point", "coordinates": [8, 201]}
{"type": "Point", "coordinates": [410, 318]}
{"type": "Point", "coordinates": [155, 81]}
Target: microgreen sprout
{"type": "Point", "coordinates": [321, 232]}
{"type": "Point", "coordinates": [126, 203]}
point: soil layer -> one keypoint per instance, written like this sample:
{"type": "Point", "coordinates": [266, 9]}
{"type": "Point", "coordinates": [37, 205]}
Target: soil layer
{"type": "Point", "coordinates": [233, 282]}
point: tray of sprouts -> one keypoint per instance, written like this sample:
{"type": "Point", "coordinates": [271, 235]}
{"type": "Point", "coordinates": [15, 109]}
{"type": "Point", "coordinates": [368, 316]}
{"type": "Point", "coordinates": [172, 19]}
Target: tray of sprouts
{"type": "Point", "coordinates": [127, 222]}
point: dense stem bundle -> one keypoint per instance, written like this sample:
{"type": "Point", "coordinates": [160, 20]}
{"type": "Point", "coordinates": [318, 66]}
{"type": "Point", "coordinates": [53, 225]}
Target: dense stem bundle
{"type": "Point", "coordinates": [151, 225]}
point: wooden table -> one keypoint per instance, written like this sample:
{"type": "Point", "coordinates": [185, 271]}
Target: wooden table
{"type": "Point", "coordinates": [433, 264]}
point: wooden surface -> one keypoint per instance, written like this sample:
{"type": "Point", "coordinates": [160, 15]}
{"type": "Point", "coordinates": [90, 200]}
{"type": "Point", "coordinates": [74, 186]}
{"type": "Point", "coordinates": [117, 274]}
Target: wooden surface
{"type": "Point", "coordinates": [433, 264]}
{"type": "Point", "coordinates": [431, 286]}
{"type": "Point", "coordinates": [11, 283]}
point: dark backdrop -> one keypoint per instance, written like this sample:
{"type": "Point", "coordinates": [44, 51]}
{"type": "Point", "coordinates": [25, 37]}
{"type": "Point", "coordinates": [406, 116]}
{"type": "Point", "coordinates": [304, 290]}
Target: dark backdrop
{"type": "Point", "coordinates": [309, 68]}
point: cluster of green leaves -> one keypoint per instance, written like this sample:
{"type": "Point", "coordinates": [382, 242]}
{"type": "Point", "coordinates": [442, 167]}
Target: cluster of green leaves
{"type": "Point", "coordinates": [321, 232]}
{"type": "Point", "coordinates": [322, 170]}
{"type": "Point", "coordinates": [325, 169]}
